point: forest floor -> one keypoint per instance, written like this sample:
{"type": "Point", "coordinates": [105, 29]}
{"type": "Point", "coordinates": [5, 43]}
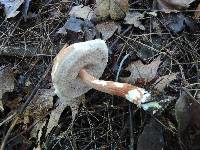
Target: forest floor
{"type": "Point", "coordinates": [145, 39]}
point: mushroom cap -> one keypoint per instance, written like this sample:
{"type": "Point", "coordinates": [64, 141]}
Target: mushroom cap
{"type": "Point", "coordinates": [90, 55]}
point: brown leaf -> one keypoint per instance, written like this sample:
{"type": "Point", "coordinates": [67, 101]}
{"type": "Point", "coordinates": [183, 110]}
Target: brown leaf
{"type": "Point", "coordinates": [38, 108]}
{"type": "Point", "coordinates": [163, 81]}
{"type": "Point", "coordinates": [107, 29]}
{"type": "Point", "coordinates": [139, 71]}
{"type": "Point", "coordinates": [116, 9]}
{"type": "Point", "coordinates": [197, 12]}
{"type": "Point", "coordinates": [171, 5]}
{"type": "Point", "coordinates": [134, 18]}
{"type": "Point", "coordinates": [41, 103]}
{"type": "Point", "coordinates": [84, 12]}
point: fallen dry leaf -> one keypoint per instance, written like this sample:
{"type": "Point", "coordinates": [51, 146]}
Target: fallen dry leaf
{"type": "Point", "coordinates": [139, 71]}
{"type": "Point", "coordinates": [38, 109]}
{"type": "Point", "coordinates": [171, 5]}
{"type": "Point", "coordinates": [37, 133]}
{"type": "Point", "coordinates": [152, 137]}
{"type": "Point", "coordinates": [187, 111]}
{"type": "Point", "coordinates": [107, 29]}
{"type": "Point", "coordinates": [163, 81]}
{"type": "Point", "coordinates": [72, 24]}
{"type": "Point", "coordinates": [11, 7]}
{"type": "Point", "coordinates": [177, 22]}
{"type": "Point", "coordinates": [62, 104]}
{"type": "Point", "coordinates": [134, 18]}
{"type": "Point", "coordinates": [40, 104]}
{"type": "Point", "coordinates": [6, 82]}
{"type": "Point", "coordinates": [84, 12]}
{"type": "Point", "coordinates": [116, 9]}
{"type": "Point", "coordinates": [197, 12]}
{"type": "Point", "coordinates": [54, 117]}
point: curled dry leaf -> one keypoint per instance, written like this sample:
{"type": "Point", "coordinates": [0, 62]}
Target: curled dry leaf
{"type": "Point", "coordinates": [11, 7]}
{"type": "Point", "coordinates": [116, 9]}
{"type": "Point", "coordinates": [107, 29]}
{"type": "Point", "coordinates": [134, 18]}
{"type": "Point", "coordinates": [84, 12]}
{"type": "Point", "coordinates": [6, 82]}
{"type": "Point", "coordinates": [141, 72]}
{"type": "Point", "coordinates": [171, 5]}
{"type": "Point", "coordinates": [163, 81]}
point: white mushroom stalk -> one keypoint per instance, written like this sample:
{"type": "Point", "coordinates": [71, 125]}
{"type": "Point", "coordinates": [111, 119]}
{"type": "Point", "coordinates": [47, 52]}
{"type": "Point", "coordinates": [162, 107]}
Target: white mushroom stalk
{"type": "Point", "coordinates": [132, 93]}
{"type": "Point", "coordinates": [77, 68]}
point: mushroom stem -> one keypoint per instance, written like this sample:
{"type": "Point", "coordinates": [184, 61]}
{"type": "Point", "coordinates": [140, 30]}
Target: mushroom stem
{"type": "Point", "coordinates": [132, 93]}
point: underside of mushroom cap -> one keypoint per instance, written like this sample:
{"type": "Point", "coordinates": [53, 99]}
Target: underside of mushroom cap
{"type": "Point", "coordinates": [91, 55]}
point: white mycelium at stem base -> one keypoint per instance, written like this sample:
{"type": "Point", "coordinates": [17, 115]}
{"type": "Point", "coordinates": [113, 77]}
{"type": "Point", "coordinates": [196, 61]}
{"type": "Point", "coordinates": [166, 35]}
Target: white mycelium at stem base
{"type": "Point", "coordinates": [138, 93]}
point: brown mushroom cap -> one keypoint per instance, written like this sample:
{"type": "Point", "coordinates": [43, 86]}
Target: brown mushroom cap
{"type": "Point", "coordinates": [90, 55]}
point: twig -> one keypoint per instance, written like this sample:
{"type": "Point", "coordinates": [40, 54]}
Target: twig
{"type": "Point", "coordinates": [120, 66]}
{"type": "Point", "coordinates": [131, 127]}
{"type": "Point", "coordinates": [115, 42]}
{"type": "Point", "coordinates": [8, 133]}
{"type": "Point", "coordinates": [9, 118]}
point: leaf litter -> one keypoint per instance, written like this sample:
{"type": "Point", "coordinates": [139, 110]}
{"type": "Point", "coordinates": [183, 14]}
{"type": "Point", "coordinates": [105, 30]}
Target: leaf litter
{"type": "Point", "coordinates": [93, 121]}
{"type": "Point", "coordinates": [40, 106]}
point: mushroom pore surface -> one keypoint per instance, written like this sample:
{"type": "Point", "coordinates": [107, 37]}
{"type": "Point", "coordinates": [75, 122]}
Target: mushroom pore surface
{"type": "Point", "coordinates": [90, 55]}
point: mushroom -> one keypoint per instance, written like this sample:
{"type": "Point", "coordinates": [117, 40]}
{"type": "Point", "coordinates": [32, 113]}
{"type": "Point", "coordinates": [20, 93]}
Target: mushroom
{"type": "Point", "coordinates": [76, 70]}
